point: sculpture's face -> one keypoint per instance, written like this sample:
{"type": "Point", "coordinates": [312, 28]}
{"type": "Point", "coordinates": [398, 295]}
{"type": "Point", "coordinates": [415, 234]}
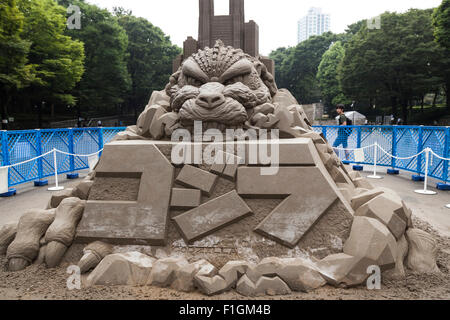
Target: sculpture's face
{"type": "Point", "coordinates": [220, 87]}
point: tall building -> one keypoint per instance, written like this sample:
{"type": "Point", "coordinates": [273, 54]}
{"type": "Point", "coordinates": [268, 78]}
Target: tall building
{"type": "Point", "coordinates": [313, 24]}
{"type": "Point", "coordinates": [231, 29]}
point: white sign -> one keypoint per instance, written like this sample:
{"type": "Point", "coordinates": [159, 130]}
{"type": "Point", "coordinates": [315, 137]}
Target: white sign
{"type": "Point", "coordinates": [359, 155]}
{"type": "Point", "coordinates": [4, 180]}
{"type": "Point", "coordinates": [92, 161]}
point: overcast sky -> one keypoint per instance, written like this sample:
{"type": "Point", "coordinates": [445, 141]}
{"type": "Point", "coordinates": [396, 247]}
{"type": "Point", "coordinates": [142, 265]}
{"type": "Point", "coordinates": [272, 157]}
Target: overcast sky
{"type": "Point", "coordinates": [277, 19]}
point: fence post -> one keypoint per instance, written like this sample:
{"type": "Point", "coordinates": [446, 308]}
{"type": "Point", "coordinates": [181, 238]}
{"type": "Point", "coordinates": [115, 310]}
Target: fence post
{"type": "Point", "coordinates": [419, 149]}
{"type": "Point", "coordinates": [447, 154]}
{"type": "Point", "coordinates": [359, 137]}
{"type": "Point", "coordinates": [39, 182]}
{"type": "Point", "coordinates": [394, 146]}
{"type": "Point", "coordinates": [5, 152]}
{"type": "Point", "coordinates": [5, 148]}
{"type": "Point", "coordinates": [72, 175]}
{"type": "Point", "coordinates": [100, 140]}
{"type": "Point", "coordinates": [444, 185]}
{"type": "Point", "coordinates": [324, 132]}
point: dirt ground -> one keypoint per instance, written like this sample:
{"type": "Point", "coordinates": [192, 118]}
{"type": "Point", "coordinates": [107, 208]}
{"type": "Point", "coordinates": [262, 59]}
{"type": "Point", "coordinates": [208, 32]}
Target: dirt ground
{"type": "Point", "coordinates": [37, 282]}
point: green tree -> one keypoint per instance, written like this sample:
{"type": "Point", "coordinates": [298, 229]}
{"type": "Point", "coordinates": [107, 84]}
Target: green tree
{"type": "Point", "coordinates": [400, 62]}
{"type": "Point", "coordinates": [14, 70]}
{"type": "Point", "coordinates": [280, 57]}
{"type": "Point", "coordinates": [150, 56]}
{"type": "Point", "coordinates": [299, 68]}
{"type": "Point", "coordinates": [106, 81]}
{"type": "Point", "coordinates": [56, 59]}
{"type": "Point", "coordinates": [328, 76]}
{"type": "Point", "coordinates": [441, 22]}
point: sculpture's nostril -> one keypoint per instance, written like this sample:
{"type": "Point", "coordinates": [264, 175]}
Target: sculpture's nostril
{"type": "Point", "coordinates": [210, 100]}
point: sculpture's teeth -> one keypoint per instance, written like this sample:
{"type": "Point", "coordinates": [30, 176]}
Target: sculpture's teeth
{"type": "Point", "coordinates": [17, 264]}
{"type": "Point", "coordinates": [54, 254]}
{"type": "Point", "coordinates": [88, 262]}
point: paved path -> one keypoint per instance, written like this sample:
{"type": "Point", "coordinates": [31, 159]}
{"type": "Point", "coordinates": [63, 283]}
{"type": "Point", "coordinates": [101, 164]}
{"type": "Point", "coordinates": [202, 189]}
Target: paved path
{"type": "Point", "coordinates": [429, 208]}
{"type": "Point", "coordinates": [28, 196]}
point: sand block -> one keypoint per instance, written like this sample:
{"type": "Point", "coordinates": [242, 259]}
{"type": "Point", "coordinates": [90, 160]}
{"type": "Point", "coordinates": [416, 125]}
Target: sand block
{"type": "Point", "coordinates": [146, 118]}
{"type": "Point", "coordinates": [185, 198]}
{"type": "Point", "coordinates": [212, 216]}
{"type": "Point", "coordinates": [291, 152]}
{"type": "Point", "coordinates": [131, 269]}
{"type": "Point", "coordinates": [196, 178]}
{"type": "Point", "coordinates": [423, 250]}
{"type": "Point", "coordinates": [406, 214]}
{"type": "Point", "coordinates": [371, 239]}
{"type": "Point", "coordinates": [271, 287]}
{"type": "Point", "coordinates": [205, 268]}
{"type": "Point", "coordinates": [226, 164]}
{"type": "Point", "coordinates": [286, 123]}
{"type": "Point", "coordinates": [164, 271]}
{"type": "Point", "coordinates": [354, 175]}
{"type": "Point", "coordinates": [211, 286]}
{"type": "Point", "coordinates": [163, 124]}
{"type": "Point", "coordinates": [232, 271]}
{"type": "Point", "coordinates": [140, 222]}
{"type": "Point", "coordinates": [309, 195]}
{"type": "Point", "coordinates": [82, 189]}
{"type": "Point", "coordinates": [344, 270]}
{"type": "Point", "coordinates": [219, 163]}
{"type": "Point", "coordinates": [233, 163]}
{"type": "Point", "coordinates": [363, 183]}
{"type": "Point", "coordinates": [360, 199]}
{"type": "Point", "coordinates": [7, 235]}
{"type": "Point", "coordinates": [246, 287]}
{"type": "Point", "coordinates": [383, 208]}
{"type": "Point", "coordinates": [300, 275]}
{"type": "Point", "coordinates": [184, 278]}
{"type": "Point", "coordinates": [268, 267]}
{"type": "Point", "coordinates": [316, 137]}
{"type": "Point", "coordinates": [58, 197]}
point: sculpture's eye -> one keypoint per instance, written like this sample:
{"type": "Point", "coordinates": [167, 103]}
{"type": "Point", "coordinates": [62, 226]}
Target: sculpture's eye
{"type": "Point", "coordinates": [235, 80]}
{"type": "Point", "coordinates": [194, 82]}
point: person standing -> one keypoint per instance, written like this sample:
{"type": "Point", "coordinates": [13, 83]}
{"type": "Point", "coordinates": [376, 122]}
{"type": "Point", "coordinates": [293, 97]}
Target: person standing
{"type": "Point", "coordinates": [342, 138]}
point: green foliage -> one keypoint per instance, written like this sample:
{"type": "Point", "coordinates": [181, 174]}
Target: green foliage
{"type": "Point", "coordinates": [14, 71]}
{"type": "Point", "coordinates": [441, 22]}
{"type": "Point", "coordinates": [328, 76]}
{"type": "Point", "coordinates": [106, 80]}
{"type": "Point", "coordinates": [398, 63]}
{"type": "Point", "coordinates": [280, 56]}
{"type": "Point", "coordinates": [150, 56]}
{"type": "Point", "coordinates": [56, 59]}
{"type": "Point", "coordinates": [298, 66]}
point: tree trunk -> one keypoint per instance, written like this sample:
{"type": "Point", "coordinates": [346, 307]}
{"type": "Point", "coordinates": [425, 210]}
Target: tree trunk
{"type": "Point", "coordinates": [435, 99]}
{"type": "Point", "coordinates": [405, 111]}
{"type": "Point", "coordinates": [422, 104]}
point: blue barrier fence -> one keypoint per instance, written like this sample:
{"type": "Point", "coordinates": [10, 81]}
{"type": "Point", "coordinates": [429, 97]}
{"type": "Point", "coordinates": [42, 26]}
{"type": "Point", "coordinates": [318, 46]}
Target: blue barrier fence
{"type": "Point", "coordinates": [400, 141]}
{"type": "Point", "coordinates": [19, 146]}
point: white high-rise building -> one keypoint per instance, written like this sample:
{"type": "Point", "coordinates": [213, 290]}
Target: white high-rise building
{"type": "Point", "coordinates": [315, 23]}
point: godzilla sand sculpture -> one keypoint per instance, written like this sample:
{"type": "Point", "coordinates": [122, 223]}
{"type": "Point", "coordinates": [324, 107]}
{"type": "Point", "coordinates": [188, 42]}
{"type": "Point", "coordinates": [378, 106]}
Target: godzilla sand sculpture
{"type": "Point", "coordinates": [222, 184]}
{"type": "Point", "coordinates": [222, 223]}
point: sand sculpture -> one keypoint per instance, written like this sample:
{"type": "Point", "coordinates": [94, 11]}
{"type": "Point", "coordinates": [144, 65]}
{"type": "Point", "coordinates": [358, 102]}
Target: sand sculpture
{"type": "Point", "coordinates": [222, 224]}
